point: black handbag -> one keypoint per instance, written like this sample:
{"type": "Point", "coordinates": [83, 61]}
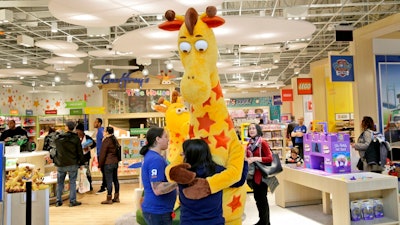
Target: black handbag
{"type": "Point", "coordinates": [270, 169]}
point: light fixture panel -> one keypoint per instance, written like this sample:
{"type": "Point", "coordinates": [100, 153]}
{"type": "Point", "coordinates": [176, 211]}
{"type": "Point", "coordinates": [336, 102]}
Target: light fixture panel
{"type": "Point", "coordinates": [25, 40]}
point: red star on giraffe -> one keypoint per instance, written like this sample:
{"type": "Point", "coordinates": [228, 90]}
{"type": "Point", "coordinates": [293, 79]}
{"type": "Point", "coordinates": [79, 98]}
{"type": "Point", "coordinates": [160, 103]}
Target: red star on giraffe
{"type": "Point", "coordinates": [229, 122]}
{"type": "Point", "coordinates": [205, 122]}
{"type": "Point", "coordinates": [218, 91]}
{"type": "Point", "coordinates": [208, 102]}
{"type": "Point", "coordinates": [235, 203]}
{"type": "Point", "coordinates": [206, 140]}
{"type": "Point", "coordinates": [191, 132]}
{"type": "Point", "coordinates": [222, 140]}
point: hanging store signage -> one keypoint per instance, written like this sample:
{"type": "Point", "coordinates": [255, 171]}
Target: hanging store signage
{"type": "Point", "coordinates": [137, 131]}
{"type": "Point", "coordinates": [13, 112]}
{"type": "Point", "coordinates": [247, 102]}
{"type": "Point", "coordinates": [75, 112]}
{"type": "Point", "coordinates": [95, 110]}
{"type": "Point", "coordinates": [123, 80]}
{"type": "Point", "coordinates": [75, 104]}
{"type": "Point", "coordinates": [287, 95]}
{"type": "Point", "coordinates": [50, 112]}
{"type": "Point", "coordinates": [29, 112]}
{"type": "Point", "coordinates": [304, 86]}
{"type": "Point", "coordinates": [342, 68]}
{"type": "Point", "coordinates": [148, 92]}
{"type": "Point", "coordinates": [277, 100]}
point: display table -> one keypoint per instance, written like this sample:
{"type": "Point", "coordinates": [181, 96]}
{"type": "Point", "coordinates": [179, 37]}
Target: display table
{"type": "Point", "coordinates": [36, 158]}
{"type": "Point", "coordinates": [52, 182]}
{"type": "Point", "coordinates": [301, 186]}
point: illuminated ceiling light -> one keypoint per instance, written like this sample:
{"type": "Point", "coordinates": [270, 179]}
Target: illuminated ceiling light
{"type": "Point", "coordinates": [33, 83]}
{"type": "Point", "coordinates": [170, 66]}
{"type": "Point", "coordinates": [296, 70]}
{"type": "Point", "coordinates": [57, 78]}
{"type": "Point", "coordinates": [21, 78]}
{"type": "Point", "coordinates": [53, 84]}
{"type": "Point", "coordinates": [295, 12]}
{"type": "Point", "coordinates": [112, 75]}
{"type": "Point", "coordinates": [69, 38]}
{"type": "Point", "coordinates": [90, 76]}
{"type": "Point", "coordinates": [25, 40]}
{"type": "Point", "coordinates": [276, 58]}
{"type": "Point", "coordinates": [24, 60]}
{"type": "Point", "coordinates": [159, 17]}
{"type": "Point", "coordinates": [54, 27]}
{"type": "Point", "coordinates": [6, 16]}
{"type": "Point", "coordinates": [145, 72]}
{"type": "Point", "coordinates": [8, 66]}
{"type": "Point", "coordinates": [98, 31]}
{"type": "Point", "coordinates": [89, 83]}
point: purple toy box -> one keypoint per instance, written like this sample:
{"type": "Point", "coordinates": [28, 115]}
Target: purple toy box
{"type": "Point", "coordinates": [327, 151]}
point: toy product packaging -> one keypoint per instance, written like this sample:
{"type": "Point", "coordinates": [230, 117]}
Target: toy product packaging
{"type": "Point", "coordinates": [355, 210]}
{"type": "Point", "coordinates": [367, 209]}
{"type": "Point", "coordinates": [378, 208]}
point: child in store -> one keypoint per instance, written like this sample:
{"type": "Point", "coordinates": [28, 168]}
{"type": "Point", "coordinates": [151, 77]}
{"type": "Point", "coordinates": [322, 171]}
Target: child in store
{"type": "Point", "coordinates": [294, 157]}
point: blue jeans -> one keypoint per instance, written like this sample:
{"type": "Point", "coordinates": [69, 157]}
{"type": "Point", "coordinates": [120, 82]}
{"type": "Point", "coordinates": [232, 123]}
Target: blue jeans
{"type": "Point", "coordinates": [111, 174]}
{"type": "Point", "coordinates": [157, 219]}
{"type": "Point", "coordinates": [72, 173]}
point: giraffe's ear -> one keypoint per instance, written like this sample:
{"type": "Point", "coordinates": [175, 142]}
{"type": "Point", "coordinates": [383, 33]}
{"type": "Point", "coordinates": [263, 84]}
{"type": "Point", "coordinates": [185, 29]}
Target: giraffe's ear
{"type": "Point", "coordinates": [174, 22]}
{"type": "Point", "coordinates": [212, 22]}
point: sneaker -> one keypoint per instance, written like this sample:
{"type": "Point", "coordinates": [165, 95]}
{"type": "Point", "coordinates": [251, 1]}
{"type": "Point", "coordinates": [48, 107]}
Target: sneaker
{"type": "Point", "coordinates": [76, 203]}
{"type": "Point", "coordinates": [58, 204]}
{"type": "Point", "coordinates": [102, 190]}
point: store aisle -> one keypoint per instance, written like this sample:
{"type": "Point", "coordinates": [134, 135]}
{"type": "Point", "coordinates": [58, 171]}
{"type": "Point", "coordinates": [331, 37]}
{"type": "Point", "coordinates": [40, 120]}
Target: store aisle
{"type": "Point", "coordinates": [91, 212]}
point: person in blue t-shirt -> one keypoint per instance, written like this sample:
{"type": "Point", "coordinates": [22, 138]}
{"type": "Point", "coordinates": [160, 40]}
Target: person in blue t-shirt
{"type": "Point", "coordinates": [206, 210]}
{"type": "Point", "coordinates": [298, 133]}
{"type": "Point", "coordinates": [98, 123]}
{"type": "Point", "coordinates": [159, 194]}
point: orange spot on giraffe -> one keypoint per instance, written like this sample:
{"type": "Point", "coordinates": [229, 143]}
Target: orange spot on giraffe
{"type": "Point", "coordinates": [208, 102]}
{"type": "Point", "coordinates": [228, 120]}
{"type": "Point", "coordinates": [218, 91]}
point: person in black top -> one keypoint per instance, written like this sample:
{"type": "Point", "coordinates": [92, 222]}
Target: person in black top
{"type": "Point", "coordinates": [290, 128]}
{"type": "Point", "coordinates": [12, 131]}
{"type": "Point", "coordinates": [87, 144]}
{"type": "Point", "coordinates": [68, 159]}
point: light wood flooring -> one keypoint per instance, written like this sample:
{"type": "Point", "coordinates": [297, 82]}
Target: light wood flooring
{"type": "Point", "coordinates": [91, 212]}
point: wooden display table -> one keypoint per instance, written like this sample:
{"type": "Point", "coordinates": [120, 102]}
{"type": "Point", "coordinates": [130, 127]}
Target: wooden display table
{"type": "Point", "coordinates": [301, 186]}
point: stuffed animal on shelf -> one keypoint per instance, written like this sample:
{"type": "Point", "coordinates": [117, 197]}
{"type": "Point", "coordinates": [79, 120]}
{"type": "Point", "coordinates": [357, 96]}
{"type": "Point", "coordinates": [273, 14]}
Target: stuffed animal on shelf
{"type": "Point", "coordinates": [209, 117]}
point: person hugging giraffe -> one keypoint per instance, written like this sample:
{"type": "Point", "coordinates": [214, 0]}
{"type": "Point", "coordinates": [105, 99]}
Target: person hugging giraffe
{"type": "Point", "coordinates": [209, 117]}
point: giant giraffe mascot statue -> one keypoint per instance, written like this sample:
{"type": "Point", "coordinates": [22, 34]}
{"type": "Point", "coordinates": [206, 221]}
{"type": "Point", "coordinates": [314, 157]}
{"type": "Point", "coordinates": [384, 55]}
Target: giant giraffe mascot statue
{"type": "Point", "coordinates": [209, 117]}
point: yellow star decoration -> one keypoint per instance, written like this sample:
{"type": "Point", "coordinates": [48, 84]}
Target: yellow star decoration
{"type": "Point", "coordinates": [235, 203]}
{"type": "Point", "coordinates": [36, 103]}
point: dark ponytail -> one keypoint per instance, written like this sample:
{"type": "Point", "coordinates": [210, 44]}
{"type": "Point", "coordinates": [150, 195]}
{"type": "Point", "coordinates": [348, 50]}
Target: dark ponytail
{"type": "Point", "coordinates": [151, 136]}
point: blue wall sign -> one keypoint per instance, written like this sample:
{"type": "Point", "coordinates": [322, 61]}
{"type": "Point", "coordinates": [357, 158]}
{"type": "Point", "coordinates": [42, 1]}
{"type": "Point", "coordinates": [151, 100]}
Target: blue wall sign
{"type": "Point", "coordinates": [123, 80]}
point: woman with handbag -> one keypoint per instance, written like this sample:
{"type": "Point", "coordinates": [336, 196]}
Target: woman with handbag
{"type": "Point", "coordinates": [258, 150]}
{"type": "Point", "coordinates": [363, 141]}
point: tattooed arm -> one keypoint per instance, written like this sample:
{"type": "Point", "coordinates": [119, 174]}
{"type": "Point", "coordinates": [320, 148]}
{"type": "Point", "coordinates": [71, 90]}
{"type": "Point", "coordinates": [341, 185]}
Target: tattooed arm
{"type": "Point", "coordinates": [160, 188]}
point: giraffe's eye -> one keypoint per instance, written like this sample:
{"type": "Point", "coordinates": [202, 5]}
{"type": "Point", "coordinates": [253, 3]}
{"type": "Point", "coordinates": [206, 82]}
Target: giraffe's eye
{"type": "Point", "coordinates": [185, 47]}
{"type": "Point", "coordinates": [179, 111]}
{"type": "Point", "coordinates": [201, 45]}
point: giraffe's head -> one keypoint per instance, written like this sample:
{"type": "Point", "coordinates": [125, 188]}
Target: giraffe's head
{"type": "Point", "coordinates": [198, 51]}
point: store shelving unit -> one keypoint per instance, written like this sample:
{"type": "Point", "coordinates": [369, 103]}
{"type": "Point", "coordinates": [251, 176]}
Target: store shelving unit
{"type": "Point", "coordinates": [29, 123]}
{"type": "Point", "coordinates": [275, 135]}
{"type": "Point", "coordinates": [346, 126]}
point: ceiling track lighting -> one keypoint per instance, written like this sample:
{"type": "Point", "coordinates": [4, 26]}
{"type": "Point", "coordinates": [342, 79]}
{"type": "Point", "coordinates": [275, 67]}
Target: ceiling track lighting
{"type": "Point", "coordinates": [89, 83]}
{"type": "Point", "coordinates": [57, 78]}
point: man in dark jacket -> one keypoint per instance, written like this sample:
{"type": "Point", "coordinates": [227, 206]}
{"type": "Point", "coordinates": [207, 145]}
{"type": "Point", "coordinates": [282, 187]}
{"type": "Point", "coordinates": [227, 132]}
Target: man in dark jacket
{"type": "Point", "coordinates": [68, 159]}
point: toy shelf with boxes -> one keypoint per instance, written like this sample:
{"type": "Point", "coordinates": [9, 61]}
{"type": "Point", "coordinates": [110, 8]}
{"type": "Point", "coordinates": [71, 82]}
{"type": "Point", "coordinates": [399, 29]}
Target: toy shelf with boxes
{"type": "Point", "coordinates": [327, 151]}
{"type": "Point", "coordinates": [274, 134]}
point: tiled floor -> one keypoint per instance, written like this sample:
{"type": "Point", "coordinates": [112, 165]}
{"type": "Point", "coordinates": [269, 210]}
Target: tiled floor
{"type": "Point", "coordinates": [303, 215]}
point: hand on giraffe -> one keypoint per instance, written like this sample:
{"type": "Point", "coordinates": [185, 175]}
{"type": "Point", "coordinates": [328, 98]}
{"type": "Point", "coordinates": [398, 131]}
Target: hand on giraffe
{"type": "Point", "coordinates": [181, 175]}
{"type": "Point", "coordinates": [199, 189]}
